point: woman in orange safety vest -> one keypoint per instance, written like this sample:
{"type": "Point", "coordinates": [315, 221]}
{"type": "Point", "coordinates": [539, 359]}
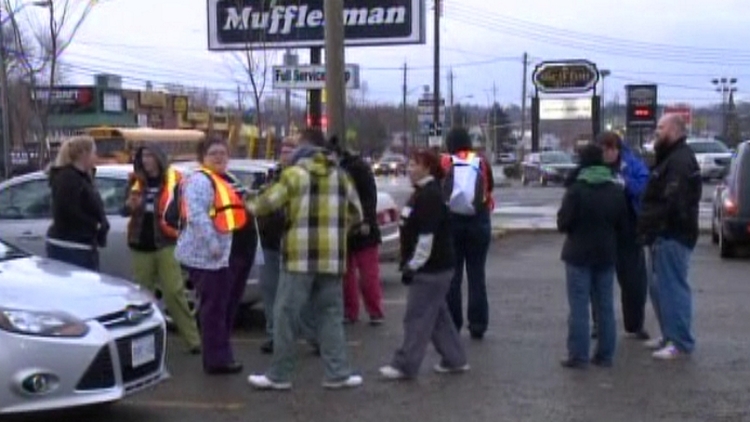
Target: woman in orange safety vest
{"type": "Point", "coordinates": [217, 244]}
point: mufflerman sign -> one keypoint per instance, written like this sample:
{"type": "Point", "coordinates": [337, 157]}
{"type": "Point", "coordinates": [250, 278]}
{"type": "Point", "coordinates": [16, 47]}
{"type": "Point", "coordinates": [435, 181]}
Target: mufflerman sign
{"type": "Point", "coordinates": [243, 24]}
{"type": "Point", "coordinates": [310, 77]}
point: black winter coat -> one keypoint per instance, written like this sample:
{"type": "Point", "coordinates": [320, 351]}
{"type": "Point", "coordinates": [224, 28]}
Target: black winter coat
{"type": "Point", "coordinates": [594, 217]}
{"type": "Point", "coordinates": [671, 201]}
{"type": "Point", "coordinates": [364, 182]}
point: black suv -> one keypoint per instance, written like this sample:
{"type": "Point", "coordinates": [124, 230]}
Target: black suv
{"type": "Point", "coordinates": [730, 225]}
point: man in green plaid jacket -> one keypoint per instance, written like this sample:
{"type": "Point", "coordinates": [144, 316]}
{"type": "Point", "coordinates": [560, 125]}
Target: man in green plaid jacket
{"type": "Point", "coordinates": [321, 205]}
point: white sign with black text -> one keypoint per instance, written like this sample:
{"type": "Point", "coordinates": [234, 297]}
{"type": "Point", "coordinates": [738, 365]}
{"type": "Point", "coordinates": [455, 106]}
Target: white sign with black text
{"type": "Point", "coordinates": [565, 108]}
{"type": "Point", "coordinates": [311, 77]}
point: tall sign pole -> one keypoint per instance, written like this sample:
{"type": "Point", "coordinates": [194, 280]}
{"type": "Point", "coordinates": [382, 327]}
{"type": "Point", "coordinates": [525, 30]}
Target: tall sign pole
{"type": "Point", "coordinates": [335, 80]}
{"type": "Point", "coordinates": [436, 71]}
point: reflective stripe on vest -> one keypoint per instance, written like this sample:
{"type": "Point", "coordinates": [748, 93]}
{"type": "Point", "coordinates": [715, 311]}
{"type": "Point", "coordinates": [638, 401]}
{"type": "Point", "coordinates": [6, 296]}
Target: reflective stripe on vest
{"type": "Point", "coordinates": [228, 210]}
{"type": "Point", "coordinates": [167, 195]}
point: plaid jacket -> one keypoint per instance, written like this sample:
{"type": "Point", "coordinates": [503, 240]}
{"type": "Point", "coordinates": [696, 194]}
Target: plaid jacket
{"type": "Point", "coordinates": [321, 205]}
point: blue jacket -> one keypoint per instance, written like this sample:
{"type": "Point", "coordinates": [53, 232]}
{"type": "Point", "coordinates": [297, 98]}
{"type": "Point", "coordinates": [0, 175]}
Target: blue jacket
{"type": "Point", "coordinates": [635, 174]}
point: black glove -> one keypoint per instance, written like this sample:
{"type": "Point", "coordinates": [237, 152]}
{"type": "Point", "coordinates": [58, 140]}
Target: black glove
{"type": "Point", "coordinates": [407, 276]}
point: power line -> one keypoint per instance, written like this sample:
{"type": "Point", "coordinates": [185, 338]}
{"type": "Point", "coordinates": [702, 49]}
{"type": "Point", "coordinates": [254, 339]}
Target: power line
{"type": "Point", "coordinates": [593, 44]}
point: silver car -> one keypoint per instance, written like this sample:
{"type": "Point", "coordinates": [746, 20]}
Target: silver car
{"type": "Point", "coordinates": [25, 213]}
{"type": "Point", "coordinates": [72, 337]}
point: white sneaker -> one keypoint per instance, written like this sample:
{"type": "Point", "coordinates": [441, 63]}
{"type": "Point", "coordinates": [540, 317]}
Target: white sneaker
{"type": "Point", "coordinates": [440, 369]}
{"type": "Point", "coordinates": [391, 373]}
{"type": "Point", "coordinates": [262, 382]}
{"type": "Point", "coordinates": [352, 381]}
{"type": "Point", "coordinates": [668, 352]}
{"type": "Point", "coordinates": [655, 343]}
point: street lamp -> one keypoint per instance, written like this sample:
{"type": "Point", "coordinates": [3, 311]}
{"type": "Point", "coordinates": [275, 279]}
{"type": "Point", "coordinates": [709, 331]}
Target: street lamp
{"type": "Point", "coordinates": [4, 83]}
{"type": "Point", "coordinates": [725, 86]}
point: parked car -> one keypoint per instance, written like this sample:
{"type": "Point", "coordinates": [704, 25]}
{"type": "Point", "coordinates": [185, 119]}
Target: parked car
{"type": "Point", "coordinates": [546, 167]}
{"type": "Point", "coordinates": [730, 224]}
{"type": "Point", "coordinates": [72, 337]}
{"type": "Point", "coordinates": [25, 212]}
{"type": "Point", "coordinates": [713, 157]}
{"type": "Point", "coordinates": [393, 165]}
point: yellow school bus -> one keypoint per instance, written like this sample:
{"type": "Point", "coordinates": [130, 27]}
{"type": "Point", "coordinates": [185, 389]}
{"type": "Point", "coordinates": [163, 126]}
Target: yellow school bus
{"type": "Point", "coordinates": [118, 145]}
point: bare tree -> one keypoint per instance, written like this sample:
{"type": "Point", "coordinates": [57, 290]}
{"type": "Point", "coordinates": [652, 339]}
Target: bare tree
{"type": "Point", "coordinates": [41, 57]}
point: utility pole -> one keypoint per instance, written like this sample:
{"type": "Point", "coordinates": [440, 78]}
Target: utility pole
{"type": "Point", "coordinates": [6, 115]}
{"type": "Point", "coordinates": [524, 85]}
{"type": "Point", "coordinates": [494, 120]}
{"type": "Point", "coordinates": [335, 81]}
{"type": "Point", "coordinates": [451, 77]}
{"type": "Point", "coordinates": [406, 115]}
{"type": "Point", "coordinates": [436, 69]}
{"type": "Point", "coordinates": [725, 86]}
{"type": "Point", "coordinates": [288, 60]}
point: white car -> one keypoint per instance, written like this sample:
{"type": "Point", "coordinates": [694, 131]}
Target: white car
{"type": "Point", "coordinates": [25, 212]}
{"type": "Point", "coordinates": [72, 337]}
{"type": "Point", "coordinates": [713, 157]}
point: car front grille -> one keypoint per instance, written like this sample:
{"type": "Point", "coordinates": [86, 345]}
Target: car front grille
{"type": "Point", "coordinates": [120, 318]}
{"type": "Point", "coordinates": [130, 374]}
{"type": "Point", "coordinates": [100, 373]}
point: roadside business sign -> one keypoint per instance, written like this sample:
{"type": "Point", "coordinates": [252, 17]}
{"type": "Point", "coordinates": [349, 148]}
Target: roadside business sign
{"type": "Point", "coordinates": [565, 108]}
{"type": "Point", "coordinates": [256, 24]}
{"type": "Point", "coordinates": [565, 77]}
{"type": "Point", "coordinates": [311, 77]}
{"type": "Point", "coordinates": [641, 105]}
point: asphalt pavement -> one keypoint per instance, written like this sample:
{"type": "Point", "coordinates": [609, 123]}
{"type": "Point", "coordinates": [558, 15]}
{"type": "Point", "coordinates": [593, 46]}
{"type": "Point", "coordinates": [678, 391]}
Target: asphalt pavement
{"type": "Point", "coordinates": [515, 373]}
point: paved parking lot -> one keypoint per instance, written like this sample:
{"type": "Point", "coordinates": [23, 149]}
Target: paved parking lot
{"type": "Point", "coordinates": [515, 375]}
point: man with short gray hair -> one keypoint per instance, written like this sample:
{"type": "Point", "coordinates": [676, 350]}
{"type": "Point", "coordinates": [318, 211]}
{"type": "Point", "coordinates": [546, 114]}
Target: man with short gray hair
{"type": "Point", "coordinates": [668, 224]}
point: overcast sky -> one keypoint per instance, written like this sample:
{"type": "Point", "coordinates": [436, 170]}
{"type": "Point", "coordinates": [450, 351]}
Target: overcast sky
{"type": "Point", "coordinates": [680, 44]}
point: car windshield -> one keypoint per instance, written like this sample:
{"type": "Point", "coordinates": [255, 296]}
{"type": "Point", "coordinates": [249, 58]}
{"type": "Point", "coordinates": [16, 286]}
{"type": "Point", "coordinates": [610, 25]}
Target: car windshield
{"type": "Point", "coordinates": [8, 252]}
{"type": "Point", "coordinates": [708, 147]}
{"type": "Point", "coordinates": [555, 158]}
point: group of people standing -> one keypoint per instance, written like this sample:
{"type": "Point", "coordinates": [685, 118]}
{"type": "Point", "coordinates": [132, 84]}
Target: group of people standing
{"type": "Point", "coordinates": [620, 219]}
{"type": "Point", "coordinates": [315, 226]}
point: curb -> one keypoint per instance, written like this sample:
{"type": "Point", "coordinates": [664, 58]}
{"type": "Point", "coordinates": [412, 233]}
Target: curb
{"type": "Point", "coordinates": [499, 231]}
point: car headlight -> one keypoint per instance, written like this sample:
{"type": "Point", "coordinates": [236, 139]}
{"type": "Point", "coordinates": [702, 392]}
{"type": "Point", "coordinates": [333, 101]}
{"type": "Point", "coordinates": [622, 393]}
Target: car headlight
{"type": "Point", "coordinates": [549, 170]}
{"type": "Point", "coordinates": [43, 324]}
{"type": "Point", "coordinates": [394, 165]}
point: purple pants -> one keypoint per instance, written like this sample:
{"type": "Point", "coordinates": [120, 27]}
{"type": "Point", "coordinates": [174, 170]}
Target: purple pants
{"type": "Point", "coordinates": [220, 293]}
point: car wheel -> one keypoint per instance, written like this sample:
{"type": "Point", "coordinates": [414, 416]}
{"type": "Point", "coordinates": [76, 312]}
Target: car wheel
{"type": "Point", "coordinates": [726, 248]}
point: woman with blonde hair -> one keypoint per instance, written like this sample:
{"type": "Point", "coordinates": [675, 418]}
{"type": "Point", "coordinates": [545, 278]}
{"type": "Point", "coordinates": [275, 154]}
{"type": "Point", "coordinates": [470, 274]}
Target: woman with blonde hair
{"type": "Point", "coordinates": [79, 223]}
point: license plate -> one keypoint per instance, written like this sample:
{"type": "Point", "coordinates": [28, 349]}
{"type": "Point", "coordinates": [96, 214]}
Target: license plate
{"type": "Point", "coordinates": [143, 351]}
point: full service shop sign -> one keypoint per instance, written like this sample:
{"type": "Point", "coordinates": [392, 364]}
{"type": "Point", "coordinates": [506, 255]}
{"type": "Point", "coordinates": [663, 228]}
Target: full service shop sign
{"type": "Point", "coordinates": [243, 24]}
{"type": "Point", "coordinates": [310, 77]}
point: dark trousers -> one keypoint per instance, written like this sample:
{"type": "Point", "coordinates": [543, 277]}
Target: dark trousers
{"type": "Point", "coordinates": [220, 292]}
{"type": "Point", "coordinates": [88, 259]}
{"type": "Point", "coordinates": [632, 277]}
{"type": "Point", "coordinates": [471, 239]}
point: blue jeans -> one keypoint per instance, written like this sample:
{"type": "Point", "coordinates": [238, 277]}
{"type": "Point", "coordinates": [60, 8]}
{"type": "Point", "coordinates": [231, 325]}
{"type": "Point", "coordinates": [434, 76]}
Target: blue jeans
{"type": "Point", "coordinates": [269, 283]}
{"type": "Point", "coordinates": [582, 283]}
{"type": "Point", "coordinates": [671, 292]}
{"type": "Point", "coordinates": [471, 240]}
{"type": "Point", "coordinates": [324, 293]}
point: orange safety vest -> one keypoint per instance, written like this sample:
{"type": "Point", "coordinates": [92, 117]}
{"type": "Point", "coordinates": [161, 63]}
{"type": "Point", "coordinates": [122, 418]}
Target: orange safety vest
{"type": "Point", "coordinates": [228, 211]}
{"type": "Point", "coordinates": [174, 177]}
